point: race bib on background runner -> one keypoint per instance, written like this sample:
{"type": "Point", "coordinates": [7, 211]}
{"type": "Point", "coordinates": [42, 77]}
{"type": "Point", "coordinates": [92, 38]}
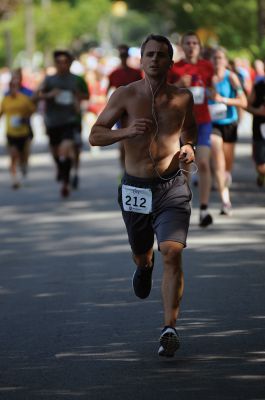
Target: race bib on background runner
{"type": "Point", "coordinates": [198, 93]}
{"type": "Point", "coordinates": [136, 199]}
{"type": "Point", "coordinates": [16, 121]}
{"type": "Point", "coordinates": [65, 97]}
{"type": "Point", "coordinates": [218, 111]}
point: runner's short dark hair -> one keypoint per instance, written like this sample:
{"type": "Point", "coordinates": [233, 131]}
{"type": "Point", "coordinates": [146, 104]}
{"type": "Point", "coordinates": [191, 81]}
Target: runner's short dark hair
{"type": "Point", "coordinates": [190, 33]}
{"type": "Point", "coordinates": [65, 53]}
{"type": "Point", "coordinates": [158, 38]}
{"type": "Point", "coordinates": [123, 50]}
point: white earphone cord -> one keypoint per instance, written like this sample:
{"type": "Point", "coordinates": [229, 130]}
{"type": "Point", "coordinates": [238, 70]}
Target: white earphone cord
{"type": "Point", "coordinates": [156, 133]}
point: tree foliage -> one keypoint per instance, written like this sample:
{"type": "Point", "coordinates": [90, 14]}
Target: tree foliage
{"type": "Point", "coordinates": [233, 24]}
{"type": "Point", "coordinates": [236, 25]}
{"type": "Point", "coordinates": [59, 24]}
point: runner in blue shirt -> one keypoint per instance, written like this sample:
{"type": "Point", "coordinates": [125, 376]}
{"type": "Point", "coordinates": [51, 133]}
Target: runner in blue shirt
{"type": "Point", "coordinates": [228, 96]}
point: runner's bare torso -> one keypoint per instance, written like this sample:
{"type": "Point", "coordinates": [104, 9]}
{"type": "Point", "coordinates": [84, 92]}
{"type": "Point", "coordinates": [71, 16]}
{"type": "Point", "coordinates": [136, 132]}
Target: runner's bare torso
{"type": "Point", "coordinates": [151, 131]}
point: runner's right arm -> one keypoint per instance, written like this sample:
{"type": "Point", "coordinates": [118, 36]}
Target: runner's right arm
{"type": "Point", "coordinates": [102, 133]}
{"type": "Point", "coordinates": [44, 92]}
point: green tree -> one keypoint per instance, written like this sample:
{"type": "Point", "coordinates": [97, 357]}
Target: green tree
{"type": "Point", "coordinates": [234, 24]}
{"type": "Point", "coordinates": [238, 25]}
{"type": "Point", "coordinates": [58, 24]}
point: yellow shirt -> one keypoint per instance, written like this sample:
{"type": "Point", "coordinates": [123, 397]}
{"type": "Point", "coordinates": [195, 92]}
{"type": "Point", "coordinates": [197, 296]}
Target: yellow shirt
{"type": "Point", "coordinates": [17, 109]}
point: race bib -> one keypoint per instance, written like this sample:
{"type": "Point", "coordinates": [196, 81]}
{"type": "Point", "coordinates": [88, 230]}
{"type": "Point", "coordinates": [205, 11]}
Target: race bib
{"type": "Point", "coordinates": [262, 130]}
{"type": "Point", "coordinates": [218, 111]}
{"type": "Point", "coordinates": [16, 121]}
{"type": "Point", "coordinates": [198, 93]}
{"type": "Point", "coordinates": [136, 199]}
{"type": "Point", "coordinates": [65, 97]}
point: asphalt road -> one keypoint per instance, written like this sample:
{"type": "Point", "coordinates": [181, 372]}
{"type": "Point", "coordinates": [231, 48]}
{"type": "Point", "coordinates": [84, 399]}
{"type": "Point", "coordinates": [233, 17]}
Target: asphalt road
{"type": "Point", "coordinates": [71, 327]}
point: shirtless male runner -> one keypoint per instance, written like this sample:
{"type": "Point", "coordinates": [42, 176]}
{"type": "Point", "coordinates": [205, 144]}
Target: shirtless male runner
{"type": "Point", "coordinates": [154, 195]}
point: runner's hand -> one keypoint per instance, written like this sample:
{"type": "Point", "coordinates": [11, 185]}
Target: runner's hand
{"type": "Point", "coordinates": [52, 93]}
{"type": "Point", "coordinates": [140, 126]}
{"type": "Point", "coordinates": [186, 154]}
{"type": "Point", "coordinates": [218, 98]}
{"type": "Point", "coordinates": [185, 81]}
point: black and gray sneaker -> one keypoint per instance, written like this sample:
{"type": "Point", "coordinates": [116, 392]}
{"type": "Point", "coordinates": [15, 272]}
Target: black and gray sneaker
{"type": "Point", "coordinates": [205, 219]}
{"type": "Point", "coordinates": [169, 342]}
{"type": "Point", "coordinates": [142, 280]}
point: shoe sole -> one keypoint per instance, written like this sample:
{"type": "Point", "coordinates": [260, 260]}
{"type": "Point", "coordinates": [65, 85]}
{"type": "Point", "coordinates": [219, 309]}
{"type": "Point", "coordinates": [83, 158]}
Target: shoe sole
{"type": "Point", "coordinates": [170, 343]}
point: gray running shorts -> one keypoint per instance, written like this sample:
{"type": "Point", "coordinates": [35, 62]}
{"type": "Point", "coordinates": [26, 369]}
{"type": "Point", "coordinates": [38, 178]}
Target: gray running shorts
{"type": "Point", "coordinates": [170, 216]}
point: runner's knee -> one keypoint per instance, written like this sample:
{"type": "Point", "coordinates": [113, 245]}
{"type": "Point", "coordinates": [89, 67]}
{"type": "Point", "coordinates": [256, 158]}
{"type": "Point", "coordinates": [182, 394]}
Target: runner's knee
{"type": "Point", "coordinates": [204, 165]}
{"type": "Point", "coordinates": [171, 252]}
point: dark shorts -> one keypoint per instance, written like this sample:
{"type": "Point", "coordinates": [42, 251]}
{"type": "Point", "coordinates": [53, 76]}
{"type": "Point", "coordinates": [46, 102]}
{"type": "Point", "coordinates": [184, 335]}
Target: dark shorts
{"type": "Point", "coordinates": [259, 152]}
{"type": "Point", "coordinates": [227, 132]}
{"type": "Point", "coordinates": [60, 133]}
{"type": "Point", "coordinates": [170, 216]}
{"type": "Point", "coordinates": [18, 142]}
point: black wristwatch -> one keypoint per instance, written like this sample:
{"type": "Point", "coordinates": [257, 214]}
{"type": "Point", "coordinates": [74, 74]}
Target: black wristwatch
{"type": "Point", "coordinates": [191, 145]}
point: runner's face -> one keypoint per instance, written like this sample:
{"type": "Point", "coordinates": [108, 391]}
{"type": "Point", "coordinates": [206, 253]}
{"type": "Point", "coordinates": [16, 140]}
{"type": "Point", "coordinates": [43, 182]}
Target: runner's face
{"type": "Point", "coordinates": [219, 59]}
{"type": "Point", "coordinates": [62, 64]}
{"type": "Point", "coordinates": [191, 47]}
{"type": "Point", "coordinates": [155, 60]}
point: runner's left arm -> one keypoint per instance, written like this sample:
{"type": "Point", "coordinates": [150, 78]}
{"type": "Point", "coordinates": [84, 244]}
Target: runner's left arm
{"type": "Point", "coordinates": [188, 133]}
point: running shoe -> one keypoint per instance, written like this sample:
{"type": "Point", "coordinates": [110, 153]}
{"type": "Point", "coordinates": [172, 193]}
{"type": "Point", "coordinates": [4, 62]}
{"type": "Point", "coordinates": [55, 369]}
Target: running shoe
{"type": "Point", "coordinates": [16, 185]}
{"type": "Point", "coordinates": [226, 209]}
{"type": "Point", "coordinates": [75, 182]}
{"type": "Point", "coordinates": [260, 180]}
{"type": "Point", "coordinates": [142, 280]}
{"type": "Point", "coordinates": [65, 191]}
{"type": "Point", "coordinates": [169, 342]}
{"type": "Point", "coordinates": [205, 219]}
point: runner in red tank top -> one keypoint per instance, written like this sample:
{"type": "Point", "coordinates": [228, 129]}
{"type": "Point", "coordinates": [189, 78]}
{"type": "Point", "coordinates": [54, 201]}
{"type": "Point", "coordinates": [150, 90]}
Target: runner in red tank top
{"type": "Point", "coordinates": [196, 74]}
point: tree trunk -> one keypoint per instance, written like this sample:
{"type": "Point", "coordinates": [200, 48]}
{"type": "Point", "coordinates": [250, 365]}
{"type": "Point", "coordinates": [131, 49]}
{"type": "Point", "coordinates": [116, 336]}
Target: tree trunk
{"type": "Point", "coordinates": [29, 29]}
{"type": "Point", "coordinates": [8, 47]}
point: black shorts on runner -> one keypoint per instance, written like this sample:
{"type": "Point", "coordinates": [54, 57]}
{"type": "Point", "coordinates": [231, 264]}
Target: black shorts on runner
{"type": "Point", "coordinates": [170, 216]}
{"type": "Point", "coordinates": [18, 142]}
{"type": "Point", "coordinates": [227, 132]}
{"type": "Point", "coordinates": [58, 134]}
{"type": "Point", "coordinates": [259, 152]}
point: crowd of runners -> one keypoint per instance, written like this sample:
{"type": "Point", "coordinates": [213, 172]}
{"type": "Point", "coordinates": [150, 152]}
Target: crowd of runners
{"type": "Point", "coordinates": [74, 90]}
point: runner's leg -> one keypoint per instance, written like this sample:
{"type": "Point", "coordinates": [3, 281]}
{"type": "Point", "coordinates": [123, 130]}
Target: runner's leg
{"type": "Point", "coordinates": [173, 281]}
{"type": "Point", "coordinates": [218, 160]}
